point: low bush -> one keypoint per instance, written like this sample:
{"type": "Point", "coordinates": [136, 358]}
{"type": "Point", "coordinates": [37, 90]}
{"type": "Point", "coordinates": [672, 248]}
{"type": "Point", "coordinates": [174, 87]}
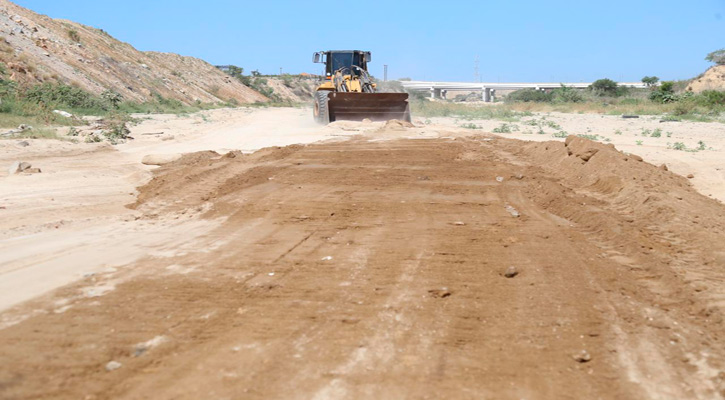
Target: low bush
{"type": "Point", "coordinates": [566, 94]}
{"type": "Point", "coordinates": [664, 94]}
{"type": "Point", "coordinates": [529, 96]}
{"type": "Point", "coordinates": [710, 98]}
{"type": "Point", "coordinates": [59, 95]}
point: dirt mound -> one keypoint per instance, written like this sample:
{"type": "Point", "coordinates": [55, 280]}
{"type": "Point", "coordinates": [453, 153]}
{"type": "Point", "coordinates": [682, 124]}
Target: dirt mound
{"type": "Point", "coordinates": [439, 268]}
{"type": "Point", "coordinates": [641, 193]}
{"type": "Point", "coordinates": [39, 49]}
{"type": "Point", "coordinates": [395, 125]}
{"type": "Point", "coordinates": [712, 79]}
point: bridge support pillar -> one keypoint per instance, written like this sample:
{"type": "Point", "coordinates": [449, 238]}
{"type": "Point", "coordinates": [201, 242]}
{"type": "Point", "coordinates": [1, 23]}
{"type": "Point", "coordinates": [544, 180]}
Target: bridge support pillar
{"type": "Point", "coordinates": [444, 94]}
{"type": "Point", "coordinates": [486, 95]}
{"type": "Point", "coordinates": [493, 95]}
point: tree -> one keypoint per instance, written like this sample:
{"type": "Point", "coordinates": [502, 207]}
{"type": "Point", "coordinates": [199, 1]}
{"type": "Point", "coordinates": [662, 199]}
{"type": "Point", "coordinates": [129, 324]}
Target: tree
{"type": "Point", "coordinates": [717, 56]}
{"type": "Point", "coordinates": [235, 71]}
{"type": "Point", "coordinates": [650, 80]}
{"type": "Point", "coordinates": [604, 87]}
{"type": "Point", "coordinates": [256, 73]}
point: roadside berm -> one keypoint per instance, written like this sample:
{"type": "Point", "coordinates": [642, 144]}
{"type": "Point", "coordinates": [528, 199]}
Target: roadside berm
{"type": "Point", "coordinates": [396, 269]}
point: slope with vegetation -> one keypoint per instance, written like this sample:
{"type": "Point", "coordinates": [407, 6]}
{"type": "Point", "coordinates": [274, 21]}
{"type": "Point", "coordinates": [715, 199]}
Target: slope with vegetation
{"type": "Point", "coordinates": [36, 49]}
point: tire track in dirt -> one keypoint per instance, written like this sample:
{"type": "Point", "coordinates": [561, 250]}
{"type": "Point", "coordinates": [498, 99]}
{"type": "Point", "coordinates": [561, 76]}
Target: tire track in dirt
{"type": "Point", "coordinates": [375, 269]}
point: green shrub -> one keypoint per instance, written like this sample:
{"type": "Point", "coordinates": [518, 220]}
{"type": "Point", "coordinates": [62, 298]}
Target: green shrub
{"type": "Point", "coordinates": [604, 87]}
{"type": "Point", "coordinates": [112, 98]}
{"type": "Point", "coordinates": [566, 94]}
{"type": "Point", "coordinates": [664, 94]}
{"type": "Point", "coordinates": [506, 128]}
{"type": "Point", "coordinates": [711, 98]}
{"type": "Point", "coordinates": [59, 95]}
{"type": "Point", "coordinates": [529, 96]}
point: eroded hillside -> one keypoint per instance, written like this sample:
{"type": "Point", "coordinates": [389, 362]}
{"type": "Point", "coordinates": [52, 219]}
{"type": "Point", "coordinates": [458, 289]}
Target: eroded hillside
{"type": "Point", "coordinates": [36, 48]}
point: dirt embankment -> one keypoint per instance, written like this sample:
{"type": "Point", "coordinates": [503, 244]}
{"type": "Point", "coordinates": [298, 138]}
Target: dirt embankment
{"type": "Point", "coordinates": [293, 88]}
{"type": "Point", "coordinates": [369, 269]}
{"type": "Point", "coordinates": [712, 79]}
{"type": "Point", "coordinates": [36, 48]}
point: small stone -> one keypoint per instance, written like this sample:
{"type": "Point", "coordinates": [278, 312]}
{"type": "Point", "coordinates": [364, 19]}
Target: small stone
{"type": "Point", "coordinates": [459, 223]}
{"type": "Point", "coordinates": [499, 179]}
{"type": "Point", "coordinates": [63, 113]}
{"type": "Point", "coordinates": [519, 176]}
{"type": "Point", "coordinates": [636, 157]}
{"type": "Point", "coordinates": [664, 167]}
{"type": "Point", "coordinates": [690, 176]}
{"type": "Point", "coordinates": [23, 143]}
{"type": "Point", "coordinates": [441, 293]}
{"type": "Point", "coordinates": [113, 365]}
{"type": "Point", "coordinates": [514, 212]}
{"type": "Point", "coordinates": [32, 171]}
{"type": "Point", "coordinates": [367, 121]}
{"type": "Point", "coordinates": [582, 357]}
{"type": "Point", "coordinates": [328, 258]}
{"type": "Point", "coordinates": [511, 272]}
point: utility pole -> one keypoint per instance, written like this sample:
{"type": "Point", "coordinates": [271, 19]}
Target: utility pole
{"type": "Point", "coordinates": [280, 71]}
{"type": "Point", "coordinates": [476, 75]}
{"type": "Point", "coordinates": [385, 74]}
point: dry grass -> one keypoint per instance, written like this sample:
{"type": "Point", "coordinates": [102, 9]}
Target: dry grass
{"type": "Point", "coordinates": [623, 108]}
{"type": "Point", "coordinates": [425, 108]}
{"type": "Point", "coordinates": [513, 111]}
{"type": "Point", "coordinates": [5, 47]}
{"type": "Point", "coordinates": [36, 133]}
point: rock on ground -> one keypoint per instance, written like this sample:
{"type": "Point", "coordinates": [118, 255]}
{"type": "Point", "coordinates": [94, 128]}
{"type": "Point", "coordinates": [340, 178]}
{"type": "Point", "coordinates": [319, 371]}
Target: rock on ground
{"type": "Point", "coordinates": [160, 159]}
{"type": "Point", "coordinates": [18, 167]}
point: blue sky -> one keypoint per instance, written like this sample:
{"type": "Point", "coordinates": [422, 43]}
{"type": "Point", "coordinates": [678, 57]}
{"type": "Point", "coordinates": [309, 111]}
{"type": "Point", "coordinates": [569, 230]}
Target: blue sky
{"type": "Point", "coordinates": [514, 40]}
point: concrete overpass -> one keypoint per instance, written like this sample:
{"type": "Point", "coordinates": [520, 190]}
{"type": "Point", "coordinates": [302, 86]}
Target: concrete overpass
{"type": "Point", "coordinates": [488, 89]}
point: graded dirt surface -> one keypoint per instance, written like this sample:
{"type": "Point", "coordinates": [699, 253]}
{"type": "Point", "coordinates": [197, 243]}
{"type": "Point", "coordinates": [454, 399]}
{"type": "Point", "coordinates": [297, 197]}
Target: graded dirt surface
{"type": "Point", "coordinates": [376, 267]}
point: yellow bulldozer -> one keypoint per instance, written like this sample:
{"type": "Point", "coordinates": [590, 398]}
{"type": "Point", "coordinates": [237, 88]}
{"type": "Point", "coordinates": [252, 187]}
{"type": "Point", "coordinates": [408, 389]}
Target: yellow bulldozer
{"type": "Point", "coordinates": [348, 92]}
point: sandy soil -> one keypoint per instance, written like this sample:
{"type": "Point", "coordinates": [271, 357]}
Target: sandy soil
{"type": "Point", "coordinates": [370, 265]}
{"type": "Point", "coordinates": [71, 220]}
{"type": "Point", "coordinates": [707, 166]}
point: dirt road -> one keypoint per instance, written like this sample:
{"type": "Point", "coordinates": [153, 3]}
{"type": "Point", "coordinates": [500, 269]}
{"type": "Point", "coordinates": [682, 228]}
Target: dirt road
{"type": "Point", "coordinates": [71, 220]}
{"type": "Point", "coordinates": [377, 268]}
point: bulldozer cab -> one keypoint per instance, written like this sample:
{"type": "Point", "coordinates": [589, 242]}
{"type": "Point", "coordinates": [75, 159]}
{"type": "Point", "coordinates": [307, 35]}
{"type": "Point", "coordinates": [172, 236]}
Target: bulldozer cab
{"type": "Point", "coordinates": [344, 61]}
{"type": "Point", "coordinates": [349, 93]}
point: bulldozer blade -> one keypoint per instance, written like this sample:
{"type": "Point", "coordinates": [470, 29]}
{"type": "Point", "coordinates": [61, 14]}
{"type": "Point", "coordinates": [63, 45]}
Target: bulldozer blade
{"type": "Point", "coordinates": [374, 106]}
